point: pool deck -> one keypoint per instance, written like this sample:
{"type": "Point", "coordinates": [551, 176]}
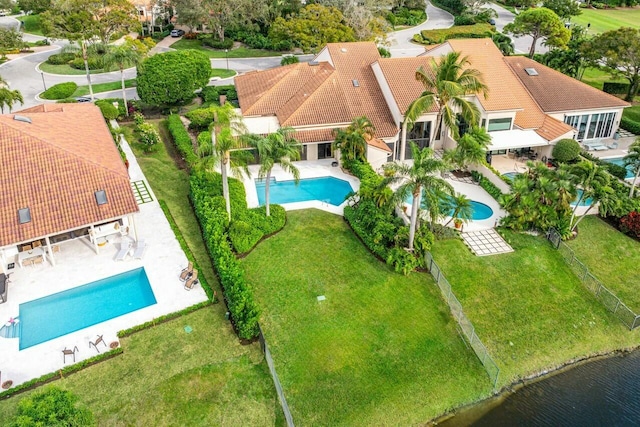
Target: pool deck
{"type": "Point", "coordinates": [77, 264]}
{"type": "Point", "coordinates": [308, 169]}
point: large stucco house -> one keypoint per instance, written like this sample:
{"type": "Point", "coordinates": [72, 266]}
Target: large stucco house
{"type": "Point", "coordinates": [529, 105]}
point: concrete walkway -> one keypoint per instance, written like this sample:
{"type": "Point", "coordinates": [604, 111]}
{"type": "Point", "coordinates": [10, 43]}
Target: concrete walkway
{"type": "Point", "coordinates": [401, 41]}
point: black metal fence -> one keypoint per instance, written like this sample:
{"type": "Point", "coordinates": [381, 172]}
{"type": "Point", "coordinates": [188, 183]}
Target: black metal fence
{"type": "Point", "coordinates": [276, 380]}
{"type": "Point", "coordinates": [591, 282]}
{"type": "Point", "coordinates": [468, 330]}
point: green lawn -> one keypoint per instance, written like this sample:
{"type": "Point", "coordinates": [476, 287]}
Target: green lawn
{"type": "Point", "coordinates": [596, 77]}
{"type": "Point", "coordinates": [241, 52]}
{"type": "Point", "coordinates": [31, 24]}
{"type": "Point", "coordinates": [223, 73]}
{"type": "Point", "coordinates": [167, 377]}
{"type": "Point", "coordinates": [602, 20]}
{"type": "Point", "coordinates": [103, 87]}
{"type": "Point", "coordinates": [528, 307]}
{"type": "Point", "coordinates": [632, 112]}
{"type": "Point", "coordinates": [65, 69]}
{"type": "Point", "coordinates": [381, 350]}
{"type": "Point", "coordinates": [612, 257]}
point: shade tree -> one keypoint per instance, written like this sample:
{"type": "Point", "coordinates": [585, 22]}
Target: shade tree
{"type": "Point", "coordinates": [541, 24]}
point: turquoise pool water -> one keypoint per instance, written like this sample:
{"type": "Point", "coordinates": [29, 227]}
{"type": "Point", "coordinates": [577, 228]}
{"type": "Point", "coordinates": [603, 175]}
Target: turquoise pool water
{"type": "Point", "coordinates": [511, 175]}
{"type": "Point", "coordinates": [584, 202]}
{"type": "Point", "coordinates": [620, 162]}
{"type": "Point", "coordinates": [59, 314]}
{"type": "Point", "coordinates": [326, 189]}
{"type": "Point", "coordinates": [480, 210]}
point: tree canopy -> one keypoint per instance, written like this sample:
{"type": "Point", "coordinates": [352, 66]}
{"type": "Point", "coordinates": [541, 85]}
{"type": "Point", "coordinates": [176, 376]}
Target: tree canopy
{"type": "Point", "coordinates": [619, 50]}
{"type": "Point", "coordinates": [312, 28]}
{"type": "Point", "coordinates": [565, 9]}
{"type": "Point", "coordinates": [540, 23]}
{"type": "Point", "coordinates": [171, 78]}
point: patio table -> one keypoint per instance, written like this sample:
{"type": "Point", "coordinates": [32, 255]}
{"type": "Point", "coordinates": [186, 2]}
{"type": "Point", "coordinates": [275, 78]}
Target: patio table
{"type": "Point", "coordinates": [33, 253]}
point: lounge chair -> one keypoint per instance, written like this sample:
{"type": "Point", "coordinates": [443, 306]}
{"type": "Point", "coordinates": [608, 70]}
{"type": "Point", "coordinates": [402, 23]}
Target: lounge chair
{"type": "Point", "coordinates": [612, 146]}
{"type": "Point", "coordinates": [138, 252]}
{"type": "Point", "coordinates": [125, 247]}
{"type": "Point", "coordinates": [193, 280]}
{"type": "Point", "coordinates": [66, 352]}
{"type": "Point", "coordinates": [187, 272]}
{"type": "Point", "coordinates": [96, 342]}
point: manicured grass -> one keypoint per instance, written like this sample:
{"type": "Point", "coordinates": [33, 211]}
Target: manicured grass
{"type": "Point", "coordinates": [31, 24]}
{"type": "Point", "coordinates": [528, 307]}
{"type": "Point", "coordinates": [65, 69]}
{"type": "Point", "coordinates": [382, 349]}
{"type": "Point", "coordinates": [103, 87]}
{"type": "Point", "coordinates": [167, 377]}
{"type": "Point", "coordinates": [223, 73]}
{"type": "Point", "coordinates": [632, 112]}
{"type": "Point", "coordinates": [611, 256]}
{"type": "Point", "coordinates": [603, 20]}
{"type": "Point", "coordinates": [596, 77]}
{"type": "Point", "coordinates": [241, 52]}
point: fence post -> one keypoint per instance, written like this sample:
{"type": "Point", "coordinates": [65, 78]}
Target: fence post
{"type": "Point", "coordinates": [616, 309]}
{"type": "Point", "coordinates": [634, 322]}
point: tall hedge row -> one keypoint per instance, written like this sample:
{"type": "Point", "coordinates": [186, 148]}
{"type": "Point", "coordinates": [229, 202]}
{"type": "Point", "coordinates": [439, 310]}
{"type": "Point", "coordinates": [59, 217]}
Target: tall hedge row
{"type": "Point", "coordinates": [181, 139]}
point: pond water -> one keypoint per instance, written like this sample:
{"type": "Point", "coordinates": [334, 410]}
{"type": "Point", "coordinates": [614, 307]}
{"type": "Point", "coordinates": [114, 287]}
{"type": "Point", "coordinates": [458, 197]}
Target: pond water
{"type": "Point", "coordinates": [604, 392]}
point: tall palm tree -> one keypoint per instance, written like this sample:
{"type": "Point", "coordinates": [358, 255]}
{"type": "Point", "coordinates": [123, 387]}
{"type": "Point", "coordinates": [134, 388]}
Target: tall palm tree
{"type": "Point", "coordinates": [352, 141]}
{"type": "Point", "coordinates": [412, 179]}
{"type": "Point", "coordinates": [279, 147]}
{"type": "Point", "coordinates": [633, 159]}
{"type": "Point", "coordinates": [225, 147]}
{"type": "Point", "coordinates": [8, 97]}
{"type": "Point", "coordinates": [594, 182]}
{"type": "Point", "coordinates": [122, 56]}
{"type": "Point", "coordinates": [446, 84]}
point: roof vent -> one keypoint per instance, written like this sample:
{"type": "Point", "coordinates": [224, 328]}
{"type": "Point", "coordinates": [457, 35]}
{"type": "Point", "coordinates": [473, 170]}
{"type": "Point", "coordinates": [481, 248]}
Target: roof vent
{"type": "Point", "coordinates": [313, 63]}
{"type": "Point", "coordinates": [355, 82]}
{"type": "Point", "coordinates": [531, 71]}
{"type": "Point", "coordinates": [343, 50]}
{"type": "Point", "coordinates": [101, 197]}
{"type": "Point", "coordinates": [21, 118]}
{"type": "Point", "coordinates": [24, 215]}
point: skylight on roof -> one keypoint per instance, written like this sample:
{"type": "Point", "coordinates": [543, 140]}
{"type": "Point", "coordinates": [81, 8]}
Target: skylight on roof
{"type": "Point", "coordinates": [531, 71]}
{"type": "Point", "coordinates": [24, 215]}
{"type": "Point", "coordinates": [355, 82]}
{"type": "Point", "coordinates": [101, 197]}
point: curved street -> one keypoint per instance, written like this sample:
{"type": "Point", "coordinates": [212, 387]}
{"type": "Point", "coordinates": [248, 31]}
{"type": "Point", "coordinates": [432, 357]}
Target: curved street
{"type": "Point", "coordinates": [400, 42]}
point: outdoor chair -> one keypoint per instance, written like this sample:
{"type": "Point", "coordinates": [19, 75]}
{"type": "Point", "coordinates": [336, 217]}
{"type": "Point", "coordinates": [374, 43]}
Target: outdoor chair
{"type": "Point", "coordinates": [125, 247]}
{"type": "Point", "coordinates": [38, 260]}
{"type": "Point", "coordinates": [140, 248]}
{"type": "Point", "coordinates": [67, 352]}
{"type": "Point", "coordinates": [55, 248]}
{"type": "Point", "coordinates": [96, 342]}
{"type": "Point", "coordinates": [612, 146]}
{"type": "Point", "coordinates": [193, 280]}
{"type": "Point", "coordinates": [187, 272]}
{"type": "Point", "coordinates": [26, 248]}
{"type": "Point", "coordinates": [27, 262]}
{"type": "Point", "coordinates": [37, 244]}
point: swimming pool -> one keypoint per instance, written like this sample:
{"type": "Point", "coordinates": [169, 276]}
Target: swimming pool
{"type": "Point", "coordinates": [480, 210]}
{"type": "Point", "coordinates": [620, 162]}
{"type": "Point", "coordinates": [511, 175]}
{"type": "Point", "coordinates": [584, 202]}
{"type": "Point", "coordinates": [59, 314]}
{"type": "Point", "coordinates": [326, 189]}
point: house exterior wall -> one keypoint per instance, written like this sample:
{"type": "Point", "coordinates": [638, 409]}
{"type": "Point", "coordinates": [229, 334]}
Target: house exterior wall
{"type": "Point", "coordinates": [398, 116]}
{"type": "Point", "coordinates": [495, 180]}
{"type": "Point", "coordinates": [616, 121]}
{"type": "Point", "coordinates": [376, 157]}
{"type": "Point", "coordinates": [324, 56]}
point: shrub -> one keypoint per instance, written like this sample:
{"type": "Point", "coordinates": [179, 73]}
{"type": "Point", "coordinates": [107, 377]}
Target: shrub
{"type": "Point", "coordinates": [630, 125]}
{"type": "Point", "coordinates": [108, 110]}
{"type": "Point", "coordinates": [211, 94]}
{"type": "Point", "coordinates": [60, 58]}
{"type": "Point", "coordinates": [566, 150]}
{"type": "Point", "coordinates": [615, 88]}
{"type": "Point", "coordinates": [200, 118]}
{"type": "Point", "coordinates": [488, 186]}
{"type": "Point", "coordinates": [243, 236]}
{"type": "Point", "coordinates": [218, 44]}
{"type": "Point", "coordinates": [181, 139]}
{"type": "Point", "coordinates": [464, 20]}
{"type": "Point", "coordinates": [405, 16]}
{"type": "Point", "coordinates": [454, 7]}
{"type": "Point", "coordinates": [94, 63]}
{"type": "Point", "coordinates": [289, 59]}
{"type": "Point", "coordinates": [384, 52]}
{"type": "Point", "coordinates": [59, 91]}
{"type": "Point", "coordinates": [630, 224]}
{"type": "Point", "coordinates": [618, 171]}
{"type": "Point", "coordinates": [440, 35]}
{"type": "Point", "coordinates": [52, 406]}
{"type": "Point", "coordinates": [148, 136]}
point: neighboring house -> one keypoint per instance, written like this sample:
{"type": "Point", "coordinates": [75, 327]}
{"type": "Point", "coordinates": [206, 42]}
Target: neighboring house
{"type": "Point", "coordinates": [62, 178]}
{"type": "Point", "coordinates": [528, 106]}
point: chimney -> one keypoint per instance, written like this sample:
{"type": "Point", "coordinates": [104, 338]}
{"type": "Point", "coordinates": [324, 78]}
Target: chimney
{"type": "Point", "coordinates": [223, 99]}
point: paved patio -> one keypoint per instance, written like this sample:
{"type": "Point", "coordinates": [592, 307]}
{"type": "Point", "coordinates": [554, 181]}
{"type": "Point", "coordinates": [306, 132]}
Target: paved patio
{"type": "Point", "coordinates": [308, 169]}
{"type": "Point", "coordinates": [78, 264]}
{"type": "Point", "coordinates": [486, 242]}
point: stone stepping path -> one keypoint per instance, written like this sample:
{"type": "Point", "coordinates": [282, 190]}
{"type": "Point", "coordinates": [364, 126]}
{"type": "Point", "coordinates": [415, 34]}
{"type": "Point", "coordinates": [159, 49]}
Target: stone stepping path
{"type": "Point", "coordinates": [141, 192]}
{"type": "Point", "coordinates": [625, 134]}
{"type": "Point", "coordinates": [486, 242]}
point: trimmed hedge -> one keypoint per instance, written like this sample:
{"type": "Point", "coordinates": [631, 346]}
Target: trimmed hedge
{"type": "Point", "coordinates": [162, 319]}
{"type": "Point", "coordinates": [462, 32]}
{"type": "Point", "coordinates": [630, 125]}
{"type": "Point", "coordinates": [615, 88]}
{"type": "Point", "coordinates": [211, 212]}
{"type": "Point", "coordinates": [488, 186]}
{"type": "Point", "coordinates": [60, 58]}
{"type": "Point", "coordinates": [181, 139]}
{"type": "Point", "coordinates": [212, 94]}
{"type": "Point", "coordinates": [217, 44]}
{"type": "Point", "coordinates": [59, 91]}
{"type": "Point", "coordinates": [66, 371]}
{"type": "Point", "coordinates": [200, 118]}
{"type": "Point", "coordinates": [108, 110]}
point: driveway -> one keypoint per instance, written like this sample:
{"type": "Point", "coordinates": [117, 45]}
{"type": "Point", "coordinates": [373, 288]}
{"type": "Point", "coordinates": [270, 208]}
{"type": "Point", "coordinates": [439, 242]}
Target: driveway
{"type": "Point", "coordinates": [522, 44]}
{"type": "Point", "coordinates": [400, 41]}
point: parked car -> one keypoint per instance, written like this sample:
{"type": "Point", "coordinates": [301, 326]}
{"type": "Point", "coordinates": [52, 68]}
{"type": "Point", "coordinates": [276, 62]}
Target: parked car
{"type": "Point", "coordinates": [83, 99]}
{"type": "Point", "coordinates": [492, 21]}
{"type": "Point", "coordinates": [177, 33]}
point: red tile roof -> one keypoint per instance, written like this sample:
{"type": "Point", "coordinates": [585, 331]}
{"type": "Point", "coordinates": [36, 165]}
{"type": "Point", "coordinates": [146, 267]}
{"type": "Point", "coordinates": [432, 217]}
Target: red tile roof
{"type": "Point", "coordinates": [54, 165]}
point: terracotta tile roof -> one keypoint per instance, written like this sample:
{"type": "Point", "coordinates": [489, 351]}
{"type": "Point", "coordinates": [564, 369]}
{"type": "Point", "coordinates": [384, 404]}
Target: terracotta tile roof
{"type": "Point", "coordinates": [324, 94]}
{"type": "Point", "coordinates": [556, 92]}
{"type": "Point", "coordinates": [380, 144]}
{"type": "Point", "coordinates": [400, 75]}
{"type": "Point", "coordinates": [552, 129]}
{"type": "Point", "coordinates": [316, 135]}
{"type": "Point", "coordinates": [53, 166]}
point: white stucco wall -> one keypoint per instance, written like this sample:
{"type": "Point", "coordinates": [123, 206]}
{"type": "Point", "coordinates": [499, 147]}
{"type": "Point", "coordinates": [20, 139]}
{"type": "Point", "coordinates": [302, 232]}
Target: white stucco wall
{"type": "Point", "coordinates": [503, 186]}
{"type": "Point", "coordinates": [376, 157]}
{"type": "Point", "coordinates": [386, 92]}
